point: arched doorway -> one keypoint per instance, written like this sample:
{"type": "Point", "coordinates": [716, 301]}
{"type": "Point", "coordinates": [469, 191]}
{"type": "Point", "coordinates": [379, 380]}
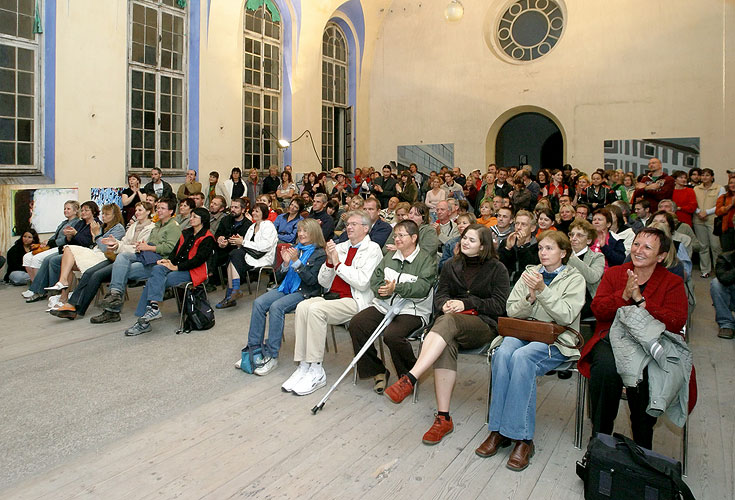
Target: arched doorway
{"type": "Point", "coordinates": [530, 138]}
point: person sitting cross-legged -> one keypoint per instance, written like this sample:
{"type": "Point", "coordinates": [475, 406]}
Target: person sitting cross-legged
{"type": "Point", "coordinates": [298, 278]}
{"type": "Point", "coordinates": [473, 288]}
{"type": "Point", "coordinates": [187, 262]}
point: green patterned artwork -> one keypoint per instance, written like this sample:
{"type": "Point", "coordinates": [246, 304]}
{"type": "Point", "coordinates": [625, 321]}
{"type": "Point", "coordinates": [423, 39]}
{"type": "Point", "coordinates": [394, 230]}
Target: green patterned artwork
{"type": "Point", "coordinates": [256, 4]}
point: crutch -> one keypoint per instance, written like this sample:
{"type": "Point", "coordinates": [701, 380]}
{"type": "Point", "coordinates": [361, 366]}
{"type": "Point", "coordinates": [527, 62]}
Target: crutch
{"type": "Point", "coordinates": [392, 313]}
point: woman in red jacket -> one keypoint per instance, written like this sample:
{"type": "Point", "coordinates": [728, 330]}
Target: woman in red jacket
{"type": "Point", "coordinates": [684, 197]}
{"type": "Point", "coordinates": [188, 262]}
{"type": "Point", "coordinates": [644, 282]}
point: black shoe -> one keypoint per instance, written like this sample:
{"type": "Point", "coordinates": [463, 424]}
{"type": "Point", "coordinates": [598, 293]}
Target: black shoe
{"type": "Point", "coordinates": [112, 300]}
{"type": "Point", "coordinates": [105, 317]}
{"type": "Point", "coordinates": [564, 375]}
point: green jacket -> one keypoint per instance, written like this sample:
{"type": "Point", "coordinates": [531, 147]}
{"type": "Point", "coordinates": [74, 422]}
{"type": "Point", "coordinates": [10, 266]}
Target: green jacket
{"type": "Point", "coordinates": [414, 276]}
{"type": "Point", "coordinates": [165, 236]}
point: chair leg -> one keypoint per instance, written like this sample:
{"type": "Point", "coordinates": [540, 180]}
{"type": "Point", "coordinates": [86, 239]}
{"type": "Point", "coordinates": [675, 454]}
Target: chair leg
{"type": "Point", "coordinates": [416, 385]}
{"type": "Point", "coordinates": [334, 340]}
{"type": "Point", "coordinates": [247, 279]}
{"type": "Point", "coordinates": [326, 340]}
{"type": "Point", "coordinates": [579, 414]}
{"type": "Point", "coordinates": [222, 277]}
{"type": "Point", "coordinates": [489, 388]}
{"type": "Point", "coordinates": [684, 447]}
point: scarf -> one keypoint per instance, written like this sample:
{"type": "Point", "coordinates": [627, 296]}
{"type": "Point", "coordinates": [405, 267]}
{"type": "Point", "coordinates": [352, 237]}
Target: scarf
{"type": "Point", "coordinates": [292, 281]}
{"type": "Point", "coordinates": [549, 276]}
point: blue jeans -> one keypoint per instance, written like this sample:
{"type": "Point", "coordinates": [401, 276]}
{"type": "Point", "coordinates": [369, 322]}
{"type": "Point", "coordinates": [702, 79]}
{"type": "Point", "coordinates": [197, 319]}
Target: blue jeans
{"type": "Point", "coordinates": [277, 304]}
{"type": "Point", "coordinates": [19, 278]}
{"type": "Point", "coordinates": [47, 275]}
{"type": "Point", "coordinates": [127, 267]}
{"type": "Point", "coordinates": [516, 364]}
{"type": "Point", "coordinates": [724, 299]}
{"type": "Point", "coordinates": [160, 279]}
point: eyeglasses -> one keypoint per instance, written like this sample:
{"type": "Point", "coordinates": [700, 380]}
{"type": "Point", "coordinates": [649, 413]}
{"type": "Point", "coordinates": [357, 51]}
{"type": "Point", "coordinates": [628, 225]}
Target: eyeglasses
{"type": "Point", "coordinates": [353, 224]}
{"type": "Point", "coordinates": [400, 235]}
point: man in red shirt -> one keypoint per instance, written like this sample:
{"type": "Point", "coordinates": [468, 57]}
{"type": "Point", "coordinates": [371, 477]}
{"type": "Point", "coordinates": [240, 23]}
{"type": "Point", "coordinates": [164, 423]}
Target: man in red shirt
{"type": "Point", "coordinates": [655, 186]}
{"type": "Point", "coordinates": [346, 275]}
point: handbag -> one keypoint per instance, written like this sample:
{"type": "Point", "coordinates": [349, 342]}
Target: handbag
{"type": "Point", "coordinates": [37, 248]}
{"type": "Point", "coordinates": [532, 330]}
{"type": "Point", "coordinates": [717, 229]}
{"type": "Point", "coordinates": [251, 359]}
{"type": "Point", "coordinates": [614, 467]}
{"type": "Point", "coordinates": [256, 254]}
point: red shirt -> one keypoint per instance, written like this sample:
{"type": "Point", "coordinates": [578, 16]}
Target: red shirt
{"type": "Point", "coordinates": [686, 201]}
{"type": "Point", "coordinates": [339, 285]}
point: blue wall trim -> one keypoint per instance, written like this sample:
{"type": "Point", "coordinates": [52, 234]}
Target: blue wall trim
{"type": "Point", "coordinates": [49, 91]}
{"type": "Point", "coordinates": [193, 107]}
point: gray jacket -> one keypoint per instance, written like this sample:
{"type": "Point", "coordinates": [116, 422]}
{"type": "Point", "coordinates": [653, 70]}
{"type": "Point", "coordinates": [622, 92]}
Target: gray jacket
{"type": "Point", "coordinates": [637, 338]}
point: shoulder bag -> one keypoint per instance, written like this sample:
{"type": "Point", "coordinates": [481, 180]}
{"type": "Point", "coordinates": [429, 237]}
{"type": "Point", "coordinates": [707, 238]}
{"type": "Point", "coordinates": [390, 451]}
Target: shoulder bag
{"type": "Point", "coordinates": [532, 330]}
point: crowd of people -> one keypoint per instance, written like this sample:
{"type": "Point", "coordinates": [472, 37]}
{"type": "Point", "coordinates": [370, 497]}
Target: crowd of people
{"type": "Point", "coordinates": [460, 251]}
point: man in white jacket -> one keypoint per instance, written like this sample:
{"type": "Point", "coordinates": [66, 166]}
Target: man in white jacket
{"type": "Point", "coordinates": [346, 275]}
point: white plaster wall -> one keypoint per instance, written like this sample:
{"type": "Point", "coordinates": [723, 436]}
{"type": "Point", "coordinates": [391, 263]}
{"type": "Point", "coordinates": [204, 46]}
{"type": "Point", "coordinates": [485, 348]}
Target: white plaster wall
{"type": "Point", "coordinates": [622, 69]}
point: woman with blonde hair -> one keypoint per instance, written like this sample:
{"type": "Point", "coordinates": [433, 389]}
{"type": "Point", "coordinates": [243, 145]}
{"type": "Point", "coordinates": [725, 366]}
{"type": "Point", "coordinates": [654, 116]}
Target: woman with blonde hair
{"type": "Point", "coordinates": [298, 277]}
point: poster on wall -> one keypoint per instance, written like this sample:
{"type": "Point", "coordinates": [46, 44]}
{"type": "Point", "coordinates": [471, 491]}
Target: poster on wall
{"type": "Point", "coordinates": [427, 157]}
{"type": "Point", "coordinates": [632, 155]}
{"type": "Point", "coordinates": [106, 196]}
{"type": "Point", "coordinates": [40, 209]}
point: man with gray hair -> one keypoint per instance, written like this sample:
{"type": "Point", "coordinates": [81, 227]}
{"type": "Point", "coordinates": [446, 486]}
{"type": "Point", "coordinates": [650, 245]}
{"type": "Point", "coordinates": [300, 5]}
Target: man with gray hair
{"type": "Point", "coordinates": [319, 212]}
{"type": "Point", "coordinates": [346, 275]}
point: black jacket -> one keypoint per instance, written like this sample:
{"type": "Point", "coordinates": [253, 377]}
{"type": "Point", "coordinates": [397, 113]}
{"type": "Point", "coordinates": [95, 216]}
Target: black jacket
{"type": "Point", "coordinates": [326, 221]}
{"type": "Point", "coordinates": [308, 272]}
{"type": "Point", "coordinates": [517, 258]}
{"type": "Point", "coordinates": [614, 251]}
{"type": "Point", "coordinates": [487, 294]}
{"type": "Point", "coordinates": [725, 269]}
{"type": "Point", "coordinates": [167, 189]}
{"type": "Point", "coordinates": [15, 258]}
{"type": "Point", "coordinates": [226, 227]}
{"type": "Point", "coordinates": [180, 254]}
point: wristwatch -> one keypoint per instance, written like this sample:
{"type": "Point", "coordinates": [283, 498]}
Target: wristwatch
{"type": "Point", "coordinates": [638, 302]}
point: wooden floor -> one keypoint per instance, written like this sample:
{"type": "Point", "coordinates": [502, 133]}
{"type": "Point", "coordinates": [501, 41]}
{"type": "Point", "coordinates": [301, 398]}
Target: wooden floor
{"type": "Point", "coordinates": [88, 413]}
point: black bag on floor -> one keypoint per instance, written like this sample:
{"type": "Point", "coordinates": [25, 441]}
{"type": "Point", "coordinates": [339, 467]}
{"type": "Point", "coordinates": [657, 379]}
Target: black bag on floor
{"type": "Point", "coordinates": [614, 467]}
{"type": "Point", "coordinates": [196, 313]}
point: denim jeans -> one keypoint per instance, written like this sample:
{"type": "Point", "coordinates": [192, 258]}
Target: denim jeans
{"type": "Point", "coordinates": [277, 304]}
{"type": "Point", "coordinates": [47, 275]}
{"type": "Point", "coordinates": [724, 299]}
{"type": "Point", "coordinates": [160, 279]}
{"type": "Point", "coordinates": [516, 364]}
{"type": "Point", "coordinates": [19, 278]}
{"type": "Point", "coordinates": [126, 267]}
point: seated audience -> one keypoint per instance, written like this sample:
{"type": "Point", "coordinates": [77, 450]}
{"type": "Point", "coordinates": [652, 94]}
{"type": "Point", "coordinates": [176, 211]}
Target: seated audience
{"type": "Point", "coordinates": [564, 218]}
{"type": "Point", "coordinates": [319, 212]}
{"type": "Point", "coordinates": [428, 241]}
{"type": "Point", "coordinates": [256, 249]}
{"type": "Point", "coordinates": [187, 263]}
{"type": "Point", "coordinates": [189, 187]}
{"type": "Point", "coordinates": [589, 263]}
{"type": "Point", "coordinates": [520, 249]}
{"type": "Point", "coordinates": [408, 273]}
{"type": "Point", "coordinates": [545, 221]}
{"type": "Point", "coordinates": [451, 248]}
{"type": "Point", "coordinates": [298, 277]}
{"type": "Point", "coordinates": [287, 221]}
{"type": "Point", "coordinates": [487, 218]}
{"type": "Point", "coordinates": [552, 291]}
{"type": "Point", "coordinates": [379, 229]}
{"type": "Point", "coordinates": [612, 248]}
{"type": "Point", "coordinates": [15, 273]}
{"type": "Point", "coordinates": [643, 282]}
{"type": "Point", "coordinates": [504, 225]}
{"type": "Point", "coordinates": [346, 278]}
{"type": "Point", "coordinates": [131, 195]}
{"type": "Point", "coordinates": [473, 288]}
{"type": "Point", "coordinates": [183, 218]}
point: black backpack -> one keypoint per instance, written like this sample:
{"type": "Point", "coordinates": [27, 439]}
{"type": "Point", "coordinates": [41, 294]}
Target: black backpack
{"type": "Point", "coordinates": [196, 313]}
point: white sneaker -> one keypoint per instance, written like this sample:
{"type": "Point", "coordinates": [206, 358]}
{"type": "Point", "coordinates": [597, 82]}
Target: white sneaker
{"type": "Point", "coordinates": [289, 384]}
{"type": "Point", "coordinates": [27, 294]}
{"type": "Point", "coordinates": [54, 302]}
{"type": "Point", "coordinates": [269, 364]}
{"type": "Point", "coordinates": [314, 379]}
{"type": "Point", "coordinates": [238, 364]}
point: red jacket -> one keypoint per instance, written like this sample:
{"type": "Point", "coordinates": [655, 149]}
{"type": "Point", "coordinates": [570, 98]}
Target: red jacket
{"type": "Point", "coordinates": [666, 301]}
{"type": "Point", "coordinates": [666, 190]}
{"type": "Point", "coordinates": [723, 211]}
{"type": "Point", "coordinates": [686, 201]}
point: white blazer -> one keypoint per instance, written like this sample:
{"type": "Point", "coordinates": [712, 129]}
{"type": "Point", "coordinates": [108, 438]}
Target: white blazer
{"type": "Point", "coordinates": [266, 240]}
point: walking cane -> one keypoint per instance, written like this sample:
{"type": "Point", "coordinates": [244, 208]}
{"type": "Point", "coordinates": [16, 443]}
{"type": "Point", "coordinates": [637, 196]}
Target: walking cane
{"type": "Point", "coordinates": [392, 313]}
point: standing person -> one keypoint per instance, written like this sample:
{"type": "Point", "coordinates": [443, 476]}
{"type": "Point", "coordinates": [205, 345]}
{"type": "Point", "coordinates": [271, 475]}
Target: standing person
{"type": "Point", "coordinates": [543, 178]}
{"type": "Point", "coordinates": [435, 195]}
{"type": "Point", "coordinates": [725, 208]}
{"type": "Point", "coordinates": [722, 291]}
{"type": "Point", "coordinates": [408, 189]}
{"type": "Point", "coordinates": [346, 278]}
{"type": "Point", "coordinates": [684, 198]}
{"type": "Point", "coordinates": [384, 187]}
{"type": "Point", "coordinates": [522, 198]}
{"type": "Point", "coordinates": [319, 212]}
{"type": "Point", "coordinates": [215, 188]}
{"type": "Point", "coordinates": [258, 250]}
{"type": "Point", "coordinates": [341, 188]}
{"type": "Point", "coordinates": [551, 291]}
{"type": "Point", "coordinates": [644, 282]}
{"type": "Point", "coordinates": [286, 223]}
{"type": "Point", "coordinates": [502, 187]}
{"type": "Point", "coordinates": [157, 185]}
{"type": "Point", "coordinates": [14, 272]}
{"type": "Point", "coordinates": [654, 186]}
{"type": "Point", "coordinates": [597, 195]}
{"type": "Point", "coordinates": [453, 189]}
{"type": "Point", "coordinates": [629, 186]}
{"type": "Point", "coordinates": [187, 262]}
{"type": "Point", "coordinates": [286, 189]}
{"type": "Point", "coordinates": [407, 273]}
{"type": "Point", "coordinates": [271, 181]}
{"type": "Point", "coordinates": [704, 220]}
{"type": "Point", "coordinates": [298, 277]}
{"type": "Point", "coordinates": [131, 195]}
{"type": "Point", "coordinates": [190, 186]}
{"type": "Point", "coordinates": [695, 177]}
{"type": "Point", "coordinates": [556, 187]}
{"type": "Point", "coordinates": [235, 188]}
{"type": "Point", "coordinates": [473, 280]}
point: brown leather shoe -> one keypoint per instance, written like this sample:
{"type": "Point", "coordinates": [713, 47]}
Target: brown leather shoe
{"type": "Point", "coordinates": [521, 455]}
{"type": "Point", "coordinates": [726, 333]}
{"type": "Point", "coordinates": [490, 446]}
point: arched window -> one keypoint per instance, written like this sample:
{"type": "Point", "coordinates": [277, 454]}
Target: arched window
{"type": "Point", "coordinates": [20, 54]}
{"type": "Point", "coordinates": [336, 114]}
{"type": "Point", "coordinates": [262, 46]}
{"type": "Point", "coordinates": [158, 70]}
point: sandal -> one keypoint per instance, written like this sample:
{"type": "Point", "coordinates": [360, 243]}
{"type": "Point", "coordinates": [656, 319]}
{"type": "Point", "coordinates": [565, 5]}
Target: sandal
{"type": "Point", "coordinates": [381, 382]}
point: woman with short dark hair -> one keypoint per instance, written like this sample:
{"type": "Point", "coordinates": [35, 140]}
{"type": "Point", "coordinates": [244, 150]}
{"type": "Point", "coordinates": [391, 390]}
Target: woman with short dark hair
{"type": "Point", "coordinates": [472, 291]}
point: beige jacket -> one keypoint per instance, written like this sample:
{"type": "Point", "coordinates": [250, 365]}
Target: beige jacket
{"type": "Point", "coordinates": [706, 201]}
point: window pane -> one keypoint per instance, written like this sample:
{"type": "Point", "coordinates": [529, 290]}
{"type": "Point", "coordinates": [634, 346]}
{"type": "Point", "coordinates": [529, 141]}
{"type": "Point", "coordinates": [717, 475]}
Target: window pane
{"type": "Point", "coordinates": [7, 80]}
{"type": "Point", "coordinates": [25, 83]}
{"type": "Point", "coordinates": [25, 27]}
{"type": "Point", "coordinates": [7, 105]}
{"type": "Point", "coordinates": [25, 130]}
{"type": "Point", "coordinates": [26, 7]}
{"type": "Point", "coordinates": [7, 56]}
{"type": "Point", "coordinates": [8, 23]}
{"type": "Point", "coordinates": [25, 154]}
{"type": "Point", "coordinates": [149, 159]}
{"type": "Point", "coordinates": [7, 153]}
{"type": "Point", "coordinates": [25, 60]}
{"type": "Point", "coordinates": [25, 107]}
{"type": "Point", "coordinates": [136, 139]}
{"type": "Point", "coordinates": [136, 158]}
{"type": "Point", "coordinates": [7, 129]}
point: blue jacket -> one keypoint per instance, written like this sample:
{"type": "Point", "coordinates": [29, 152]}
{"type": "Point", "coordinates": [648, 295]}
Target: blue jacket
{"type": "Point", "coordinates": [287, 231]}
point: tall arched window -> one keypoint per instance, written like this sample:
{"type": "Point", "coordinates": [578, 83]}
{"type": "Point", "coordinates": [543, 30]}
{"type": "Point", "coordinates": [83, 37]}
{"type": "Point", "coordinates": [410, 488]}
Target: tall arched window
{"type": "Point", "coordinates": [336, 114]}
{"type": "Point", "coordinates": [262, 46]}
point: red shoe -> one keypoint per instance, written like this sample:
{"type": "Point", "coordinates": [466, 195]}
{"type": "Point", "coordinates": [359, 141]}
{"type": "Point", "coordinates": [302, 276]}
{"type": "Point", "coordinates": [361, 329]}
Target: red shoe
{"type": "Point", "coordinates": [400, 390]}
{"type": "Point", "coordinates": [441, 428]}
